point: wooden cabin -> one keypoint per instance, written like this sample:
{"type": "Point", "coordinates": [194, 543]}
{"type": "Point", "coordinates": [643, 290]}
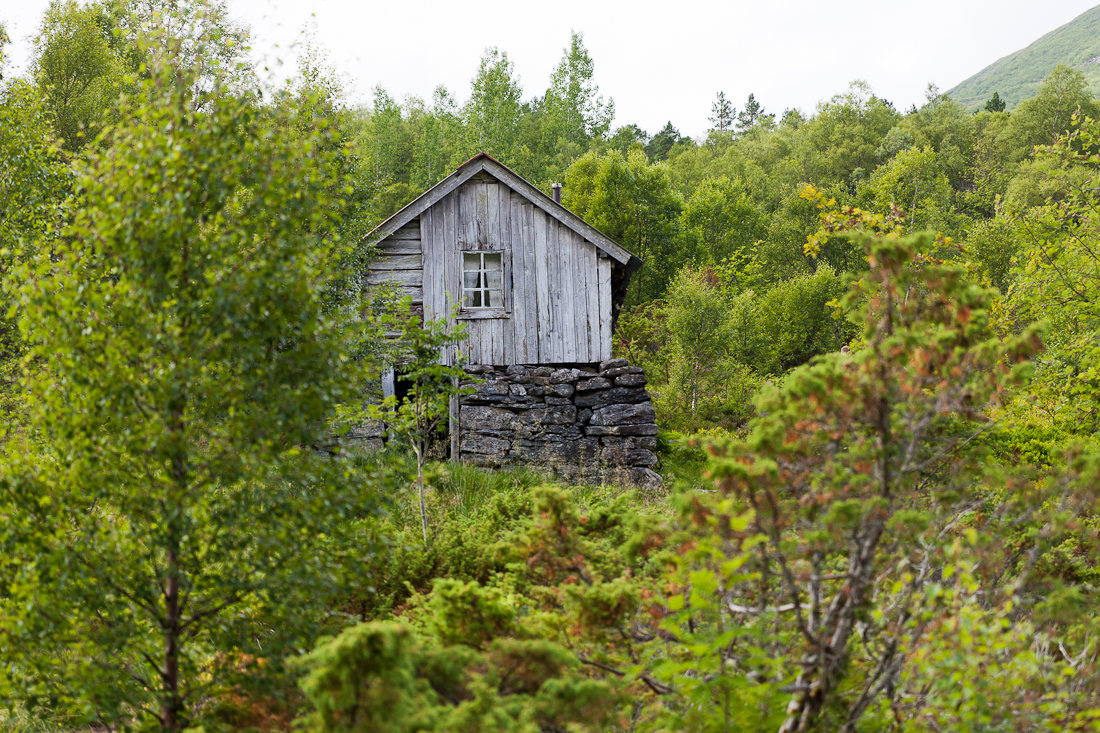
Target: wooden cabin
{"type": "Point", "coordinates": [534, 283]}
{"type": "Point", "coordinates": [539, 291]}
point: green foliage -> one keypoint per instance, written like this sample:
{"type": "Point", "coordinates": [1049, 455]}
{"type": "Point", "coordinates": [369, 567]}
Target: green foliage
{"type": "Point", "coordinates": [77, 71]}
{"type": "Point", "coordinates": [1057, 283]}
{"type": "Point", "coordinates": [993, 244]}
{"type": "Point", "coordinates": [432, 384]}
{"type": "Point", "coordinates": [631, 201]}
{"type": "Point", "coordinates": [720, 223]}
{"type": "Point", "coordinates": [1048, 115]}
{"type": "Point", "coordinates": [35, 187]}
{"type": "Point", "coordinates": [1019, 76]}
{"type": "Point", "coordinates": [169, 521]}
{"type": "Point", "coordinates": [835, 481]}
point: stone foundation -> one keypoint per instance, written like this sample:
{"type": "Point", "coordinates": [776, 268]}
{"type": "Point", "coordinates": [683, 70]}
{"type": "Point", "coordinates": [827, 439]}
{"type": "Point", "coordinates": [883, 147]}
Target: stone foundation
{"type": "Point", "coordinates": [584, 423]}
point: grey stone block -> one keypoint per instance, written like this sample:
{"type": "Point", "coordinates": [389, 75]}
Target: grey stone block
{"type": "Point", "coordinates": [615, 395]}
{"type": "Point", "coordinates": [550, 415]}
{"type": "Point", "coordinates": [624, 414]}
{"type": "Point", "coordinates": [612, 363]}
{"type": "Point", "coordinates": [561, 390]}
{"type": "Point", "coordinates": [542, 371]}
{"type": "Point", "coordinates": [517, 390]}
{"type": "Point", "coordinates": [641, 457]}
{"type": "Point", "coordinates": [619, 371]}
{"type": "Point", "coordinates": [474, 443]}
{"type": "Point", "coordinates": [561, 376]}
{"type": "Point", "coordinates": [623, 430]}
{"type": "Point", "coordinates": [584, 415]}
{"type": "Point", "coordinates": [516, 370]}
{"type": "Point", "coordinates": [643, 478]}
{"type": "Point", "coordinates": [551, 400]}
{"type": "Point", "coordinates": [630, 380]}
{"type": "Point", "coordinates": [478, 369]}
{"type": "Point", "coordinates": [487, 418]}
{"type": "Point", "coordinates": [587, 385]}
{"type": "Point", "coordinates": [648, 442]}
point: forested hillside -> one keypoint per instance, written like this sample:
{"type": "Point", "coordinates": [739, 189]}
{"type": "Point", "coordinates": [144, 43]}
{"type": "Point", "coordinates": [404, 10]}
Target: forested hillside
{"type": "Point", "coordinates": [1020, 75]}
{"type": "Point", "coordinates": [870, 336]}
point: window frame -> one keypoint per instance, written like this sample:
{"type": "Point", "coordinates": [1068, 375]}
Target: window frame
{"type": "Point", "coordinates": [481, 312]}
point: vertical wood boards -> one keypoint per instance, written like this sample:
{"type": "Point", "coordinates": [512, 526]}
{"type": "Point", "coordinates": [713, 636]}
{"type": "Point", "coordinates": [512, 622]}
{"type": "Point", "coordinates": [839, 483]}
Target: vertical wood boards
{"type": "Point", "coordinates": [581, 254]}
{"type": "Point", "coordinates": [530, 297]}
{"type": "Point", "coordinates": [604, 266]}
{"type": "Point", "coordinates": [542, 284]}
{"type": "Point", "coordinates": [553, 283]}
{"type": "Point", "coordinates": [448, 255]}
{"type": "Point", "coordinates": [504, 221]}
{"type": "Point", "coordinates": [568, 302]}
{"type": "Point", "coordinates": [524, 312]}
{"type": "Point", "coordinates": [593, 317]}
{"type": "Point", "coordinates": [557, 287]}
{"type": "Point", "coordinates": [430, 266]}
{"type": "Point", "coordinates": [492, 241]}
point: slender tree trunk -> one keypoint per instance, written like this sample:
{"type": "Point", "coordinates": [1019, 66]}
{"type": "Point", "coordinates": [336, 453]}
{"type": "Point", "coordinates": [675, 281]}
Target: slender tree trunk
{"type": "Point", "coordinates": [170, 703]}
{"type": "Point", "coordinates": [171, 706]}
{"type": "Point", "coordinates": [419, 450]}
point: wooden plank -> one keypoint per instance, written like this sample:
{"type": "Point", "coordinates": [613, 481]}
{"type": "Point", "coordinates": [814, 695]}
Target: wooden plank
{"type": "Point", "coordinates": [494, 240]}
{"type": "Point", "coordinates": [399, 246]}
{"type": "Point", "coordinates": [530, 283]}
{"type": "Point", "coordinates": [491, 234]}
{"type": "Point", "coordinates": [504, 219]}
{"type": "Point", "coordinates": [554, 272]}
{"type": "Point", "coordinates": [416, 295]}
{"type": "Point", "coordinates": [568, 302]}
{"type": "Point", "coordinates": [545, 309]}
{"type": "Point", "coordinates": [592, 295]}
{"type": "Point", "coordinates": [427, 264]}
{"type": "Point", "coordinates": [454, 425]}
{"type": "Point", "coordinates": [447, 253]}
{"type": "Point", "coordinates": [580, 295]}
{"type": "Point", "coordinates": [406, 278]}
{"type": "Point", "coordinates": [604, 266]}
{"type": "Point", "coordinates": [467, 217]}
{"type": "Point", "coordinates": [438, 283]}
{"type": "Point", "coordinates": [517, 281]}
{"type": "Point", "coordinates": [388, 383]}
{"type": "Point", "coordinates": [558, 212]}
{"type": "Point", "coordinates": [484, 215]}
{"type": "Point", "coordinates": [397, 262]}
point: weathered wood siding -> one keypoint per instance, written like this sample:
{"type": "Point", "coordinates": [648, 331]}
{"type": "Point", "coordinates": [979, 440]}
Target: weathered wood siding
{"type": "Point", "coordinates": [557, 284]}
{"type": "Point", "coordinates": [401, 263]}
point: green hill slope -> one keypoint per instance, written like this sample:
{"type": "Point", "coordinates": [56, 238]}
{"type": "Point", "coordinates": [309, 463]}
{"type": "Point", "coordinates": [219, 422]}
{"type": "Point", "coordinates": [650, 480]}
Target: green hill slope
{"type": "Point", "coordinates": [1017, 76]}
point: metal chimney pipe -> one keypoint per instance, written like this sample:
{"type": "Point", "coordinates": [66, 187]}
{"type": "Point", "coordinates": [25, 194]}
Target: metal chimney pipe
{"type": "Point", "coordinates": [557, 192]}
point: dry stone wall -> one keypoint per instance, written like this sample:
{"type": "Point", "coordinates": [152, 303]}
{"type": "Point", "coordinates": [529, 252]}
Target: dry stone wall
{"type": "Point", "coordinates": [584, 423]}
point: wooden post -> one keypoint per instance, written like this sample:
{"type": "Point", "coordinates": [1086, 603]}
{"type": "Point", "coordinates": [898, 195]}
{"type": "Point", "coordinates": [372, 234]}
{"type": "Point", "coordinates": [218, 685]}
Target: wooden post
{"type": "Point", "coordinates": [454, 426]}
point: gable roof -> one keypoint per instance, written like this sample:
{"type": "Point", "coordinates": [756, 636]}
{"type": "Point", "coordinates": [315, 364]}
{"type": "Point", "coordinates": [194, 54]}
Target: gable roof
{"type": "Point", "coordinates": [485, 162]}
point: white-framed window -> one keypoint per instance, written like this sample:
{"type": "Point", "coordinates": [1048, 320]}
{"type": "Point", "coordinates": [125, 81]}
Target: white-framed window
{"type": "Point", "coordinates": [483, 280]}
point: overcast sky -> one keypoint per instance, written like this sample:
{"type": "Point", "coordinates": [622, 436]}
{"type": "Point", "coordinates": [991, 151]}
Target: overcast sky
{"type": "Point", "coordinates": [659, 60]}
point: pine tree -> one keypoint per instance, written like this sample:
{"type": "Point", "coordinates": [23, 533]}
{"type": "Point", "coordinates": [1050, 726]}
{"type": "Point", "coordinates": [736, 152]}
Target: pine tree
{"type": "Point", "coordinates": [748, 117]}
{"type": "Point", "coordinates": [722, 114]}
{"type": "Point", "coordinates": [995, 103]}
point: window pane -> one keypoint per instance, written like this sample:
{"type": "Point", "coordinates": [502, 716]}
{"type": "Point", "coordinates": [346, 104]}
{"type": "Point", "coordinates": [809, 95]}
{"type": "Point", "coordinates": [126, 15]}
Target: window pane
{"type": "Point", "coordinates": [493, 279]}
{"type": "Point", "coordinates": [471, 279]}
{"type": "Point", "coordinates": [493, 261]}
{"type": "Point", "coordinates": [471, 261]}
{"type": "Point", "coordinates": [493, 299]}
